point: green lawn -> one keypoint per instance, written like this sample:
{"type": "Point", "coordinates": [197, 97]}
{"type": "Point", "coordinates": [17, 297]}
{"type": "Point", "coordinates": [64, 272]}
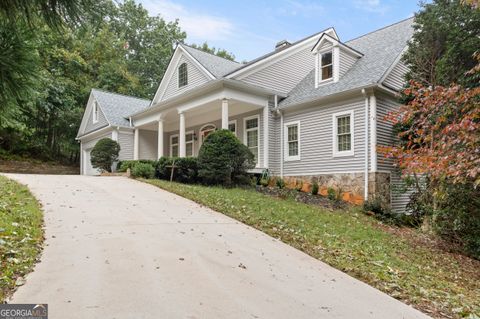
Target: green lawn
{"type": "Point", "coordinates": [430, 279]}
{"type": "Point", "coordinates": [21, 234]}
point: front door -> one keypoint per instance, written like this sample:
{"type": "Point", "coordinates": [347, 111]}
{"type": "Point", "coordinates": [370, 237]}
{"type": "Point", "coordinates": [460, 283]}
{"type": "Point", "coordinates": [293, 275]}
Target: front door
{"type": "Point", "coordinates": [205, 131]}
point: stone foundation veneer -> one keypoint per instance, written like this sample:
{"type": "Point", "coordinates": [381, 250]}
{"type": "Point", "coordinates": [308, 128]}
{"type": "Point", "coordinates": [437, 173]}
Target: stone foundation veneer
{"type": "Point", "coordinates": [351, 185]}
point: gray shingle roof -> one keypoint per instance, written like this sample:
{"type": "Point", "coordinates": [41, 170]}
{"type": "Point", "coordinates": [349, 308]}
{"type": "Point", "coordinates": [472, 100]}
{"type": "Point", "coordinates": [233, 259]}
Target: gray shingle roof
{"type": "Point", "coordinates": [118, 107]}
{"type": "Point", "coordinates": [380, 48]}
{"type": "Point", "coordinates": [216, 65]}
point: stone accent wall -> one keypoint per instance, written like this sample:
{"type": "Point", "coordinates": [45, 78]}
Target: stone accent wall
{"type": "Point", "coordinates": [379, 187]}
{"type": "Point", "coordinates": [350, 185]}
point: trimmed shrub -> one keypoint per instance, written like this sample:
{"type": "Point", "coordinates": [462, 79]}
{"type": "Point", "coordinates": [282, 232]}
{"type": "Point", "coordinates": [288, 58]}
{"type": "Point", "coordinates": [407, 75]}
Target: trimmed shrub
{"type": "Point", "coordinates": [186, 169]}
{"type": "Point", "coordinates": [104, 154]}
{"type": "Point", "coordinates": [144, 170]}
{"type": "Point", "coordinates": [124, 165]}
{"type": "Point", "coordinates": [314, 188]}
{"type": "Point", "coordinates": [223, 159]}
{"type": "Point", "coordinates": [264, 182]}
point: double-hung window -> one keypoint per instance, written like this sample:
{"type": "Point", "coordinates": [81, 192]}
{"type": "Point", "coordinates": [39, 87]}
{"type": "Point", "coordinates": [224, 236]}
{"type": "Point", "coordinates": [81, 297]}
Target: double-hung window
{"type": "Point", "coordinates": [292, 141]}
{"type": "Point", "coordinates": [174, 145]}
{"type": "Point", "coordinates": [326, 66]}
{"type": "Point", "coordinates": [252, 136]}
{"type": "Point", "coordinates": [343, 131]}
{"type": "Point", "coordinates": [189, 140]}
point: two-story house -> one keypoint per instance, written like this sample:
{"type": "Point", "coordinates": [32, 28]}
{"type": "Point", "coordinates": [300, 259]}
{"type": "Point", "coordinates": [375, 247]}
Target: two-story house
{"type": "Point", "coordinates": [312, 109]}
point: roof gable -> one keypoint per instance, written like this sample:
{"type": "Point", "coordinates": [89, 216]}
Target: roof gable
{"type": "Point", "coordinates": [216, 65]}
{"type": "Point", "coordinates": [115, 108]}
{"type": "Point", "coordinates": [169, 80]}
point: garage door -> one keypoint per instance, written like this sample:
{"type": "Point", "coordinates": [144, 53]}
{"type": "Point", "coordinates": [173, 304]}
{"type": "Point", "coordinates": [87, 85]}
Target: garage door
{"type": "Point", "coordinates": [88, 168]}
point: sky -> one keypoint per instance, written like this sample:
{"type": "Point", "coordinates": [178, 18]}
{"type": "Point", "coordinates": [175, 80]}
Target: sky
{"type": "Point", "coordinates": [250, 28]}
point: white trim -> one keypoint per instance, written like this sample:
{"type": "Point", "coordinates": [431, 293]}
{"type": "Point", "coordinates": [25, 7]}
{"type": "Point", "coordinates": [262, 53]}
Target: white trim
{"type": "Point", "coordinates": [190, 142]}
{"type": "Point", "coordinates": [224, 114]}
{"type": "Point", "coordinates": [266, 144]}
{"type": "Point", "coordinates": [115, 135]}
{"type": "Point", "coordinates": [281, 144]}
{"type": "Point", "coordinates": [335, 151]}
{"type": "Point", "coordinates": [136, 139]}
{"type": "Point", "coordinates": [245, 130]}
{"type": "Point", "coordinates": [182, 126]}
{"type": "Point", "coordinates": [324, 173]}
{"type": "Point", "coordinates": [287, 157]}
{"type": "Point", "coordinates": [176, 144]}
{"type": "Point", "coordinates": [365, 195]}
{"type": "Point", "coordinates": [160, 137]}
{"type": "Point", "coordinates": [236, 126]}
{"type": "Point", "coordinates": [336, 63]}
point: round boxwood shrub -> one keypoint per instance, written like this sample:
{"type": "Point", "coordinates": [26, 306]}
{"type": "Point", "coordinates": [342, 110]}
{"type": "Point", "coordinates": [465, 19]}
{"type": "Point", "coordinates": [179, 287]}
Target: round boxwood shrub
{"type": "Point", "coordinates": [104, 154]}
{"type": "Point", "coordinates": [186, 169]}
{"type": "Point", "coordinates": [144, 170]}
{"type": "Point", "coordinates": [224, 160]}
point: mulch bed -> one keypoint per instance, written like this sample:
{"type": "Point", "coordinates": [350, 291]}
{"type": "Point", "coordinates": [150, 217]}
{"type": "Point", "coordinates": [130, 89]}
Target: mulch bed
{"type": "Point", "coordinates": [302, 197]}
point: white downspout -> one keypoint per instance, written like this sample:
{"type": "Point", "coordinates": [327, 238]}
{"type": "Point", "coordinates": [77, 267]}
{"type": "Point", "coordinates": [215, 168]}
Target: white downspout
{"type": "Point", "coordinates": [364, 93]}
{"type": "Point", "coordinates": [281, 144]}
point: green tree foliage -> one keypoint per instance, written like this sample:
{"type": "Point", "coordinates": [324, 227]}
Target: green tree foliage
{"type": "Point", "coordinates": [224, 160]}
{"type": "Point", "coordinates": [46, 73]}
{"type": "Point", "coordinates": [445, 39]}
{"type": "Point", "coordinates": [212, 50]}
{"type": "Point", "coordinates": [104, 154]}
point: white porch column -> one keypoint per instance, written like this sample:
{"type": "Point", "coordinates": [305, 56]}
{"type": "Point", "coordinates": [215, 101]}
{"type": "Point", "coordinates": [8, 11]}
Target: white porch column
{"type": "Point", "coordinates": [182, 151]}
{"type": "Point", "coordinates": [373, 133]}
{"type": "Point", "coordinates": [266, 147]}
{"type": "Point", "coordinates": [225, 114]}
{"type": "Point", "coordinates": [160, 139]}
{"type": "Point", "coordinates": [135, 144]}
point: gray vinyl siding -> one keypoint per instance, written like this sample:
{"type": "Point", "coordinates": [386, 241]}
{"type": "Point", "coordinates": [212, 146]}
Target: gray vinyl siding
{"type": "Point", "coordinates": [195, 78]}
{"type": "Point", "coordinates": [285, 74]}
{"type": "Point", "coordinates": [218, 124]}
{"type": "Point", "coordinates": [385, 104]}
{"type": "Point", "coordinates": [396, 78]}
{"type": "Point", "coordinates": [125, 139]}
{"type": "Point", "coordinates": [400, 194]}
{"type": "Point", "coordinates": [147, 145]}
{"type": "Point", "coordinates": [102, 121]}
{"type": "Point", "coordinates": [346, 61]}
{"type": "Point", "coordinates": [316, 140]}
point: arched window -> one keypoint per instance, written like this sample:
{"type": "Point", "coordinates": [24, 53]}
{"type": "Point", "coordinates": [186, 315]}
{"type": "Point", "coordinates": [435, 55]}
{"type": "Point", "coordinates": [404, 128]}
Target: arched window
{"type": "Point", "coordinates": [182, 75]}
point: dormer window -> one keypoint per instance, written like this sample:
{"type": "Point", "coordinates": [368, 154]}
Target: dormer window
{"type": "Point", "coordinates": [182, 75]}
{"type": "Point", "coordinates": [326, 66]}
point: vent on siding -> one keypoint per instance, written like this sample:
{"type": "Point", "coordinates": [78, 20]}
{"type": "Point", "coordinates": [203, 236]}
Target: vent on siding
{"type": "Point", "coordinates": [282, 45]}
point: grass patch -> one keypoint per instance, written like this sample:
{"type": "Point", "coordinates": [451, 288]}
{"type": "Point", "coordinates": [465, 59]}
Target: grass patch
{"type": "Point", "coordinates": [432, 280]}
{"type": "Point", "coordinates": [21, 234]}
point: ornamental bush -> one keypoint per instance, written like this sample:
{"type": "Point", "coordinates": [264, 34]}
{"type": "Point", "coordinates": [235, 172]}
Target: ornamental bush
{"type": "Point", "coordinates": [124, 165]}
{"type": "Point", "coordinates": [104, 154]}
{"type": "Point", "coordinates": [185, 171]}
{"type": "Point", "coordinates": [144, 170]}
{"type": "Point", "coordinates": [224, 160]}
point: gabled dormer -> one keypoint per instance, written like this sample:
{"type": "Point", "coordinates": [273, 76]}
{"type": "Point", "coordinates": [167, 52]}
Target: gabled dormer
{"type": "Point", "coordinates": [332, 59]}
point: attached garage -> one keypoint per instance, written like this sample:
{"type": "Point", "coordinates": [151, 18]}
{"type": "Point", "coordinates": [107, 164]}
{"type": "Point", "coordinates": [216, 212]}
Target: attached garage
{"type": "Point", "coordinates": [88, 168]}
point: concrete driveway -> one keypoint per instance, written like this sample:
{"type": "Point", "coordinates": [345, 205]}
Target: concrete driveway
{"type": "Point", "coordinates": [118, 248]}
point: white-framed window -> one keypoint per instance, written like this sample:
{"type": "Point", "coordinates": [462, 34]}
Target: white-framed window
{"type": "Point", "coordinates": [95, 112]}
{"type": "Point", "coordinates": [343, 133]}
{"type": "Point", "coordinates": [174, 145]}
{"type": "Point", "coordinates": [189, 143]}
{"type": "Point", "coordinates": [326, 65]}
{"type": "Point", "coordinates": [292, 141]}
{"type": "Point", "coordinates": [182, 75]}
{"type": "Point", "coordinates": [251, 134]}
{"type": "Point", "coordinates": [232, 126]}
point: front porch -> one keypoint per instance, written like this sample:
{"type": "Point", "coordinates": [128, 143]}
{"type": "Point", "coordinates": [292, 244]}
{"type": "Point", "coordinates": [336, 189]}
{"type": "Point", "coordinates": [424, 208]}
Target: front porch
{"type": "Point", "coordinates": [180, 130]}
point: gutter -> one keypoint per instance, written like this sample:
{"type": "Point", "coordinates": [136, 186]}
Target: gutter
{"type": "Point", "coordinates": [365, 95]}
